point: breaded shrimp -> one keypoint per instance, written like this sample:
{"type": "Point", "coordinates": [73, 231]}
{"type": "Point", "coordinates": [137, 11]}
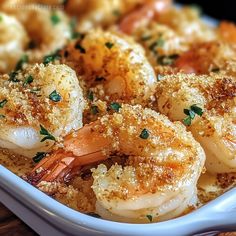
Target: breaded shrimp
{"type": "Point", "coordinates": [207, 57]}
{"type": "Point", "coordinates": [102, 13]}
{"type": "Point", "coordinates": [48, 29]}
{"type": "Point", "coordinates": [161, 168]}
{"type": "Point", "coordinates": [186, 22]}
{"type": "Point", "coordinates": [207, 105]}
{"type": "Point", "coordinates": [227, 32]}
{"type": "Point", "coordinates": [13, 42]}
{"type": "Point", "coordinates": [148, 10]}
{"type": "Point", "coordinates": [114, 67]}
{"type": "Point", "coordinates": [38, 105]}
{"type": "Point", "coordinates": [161, 43]}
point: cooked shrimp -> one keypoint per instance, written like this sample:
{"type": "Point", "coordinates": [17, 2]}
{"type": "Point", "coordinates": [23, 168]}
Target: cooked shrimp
{"type": "Point", "coordinates": [146, 12]}
{"type": "Point", "coordinates": [207, 57]}
{"type": "Point", "coordinates": [227, 32]}
{"type": "Point", "coordinates": [186, 22]}
{"type": "Point", "coordinates": [161, 43]}
{"type": "Point", "coordinates": [163, 163]}
{"type": "Point", "coordinates": [215, 129]}
{"type": "Point", "coordinates": [102, 13]}
{"type": "Point", "coordinates": [13, 42]}
{"type": "Point", "coordinates": [115, 67]}
{"type": "Point", "coordinates": [48, 29]}
{"type": "Point", "coordinates": [39, 103]}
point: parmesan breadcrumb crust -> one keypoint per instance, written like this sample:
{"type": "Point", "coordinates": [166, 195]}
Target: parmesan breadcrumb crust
{"type": "Point", "coordinates": [215, 129]}
{"type": "Point", "coordinates": [26, 104]}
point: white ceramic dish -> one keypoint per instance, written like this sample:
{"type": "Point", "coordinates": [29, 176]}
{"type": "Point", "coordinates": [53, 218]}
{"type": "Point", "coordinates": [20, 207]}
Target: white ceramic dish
{"type": "Point", "coordinates": [48, 217]}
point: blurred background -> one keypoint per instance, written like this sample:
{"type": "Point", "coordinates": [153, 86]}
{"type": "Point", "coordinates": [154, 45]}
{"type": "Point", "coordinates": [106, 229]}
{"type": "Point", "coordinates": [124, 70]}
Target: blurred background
{"type": "Point", "coordinates": [222, 10]}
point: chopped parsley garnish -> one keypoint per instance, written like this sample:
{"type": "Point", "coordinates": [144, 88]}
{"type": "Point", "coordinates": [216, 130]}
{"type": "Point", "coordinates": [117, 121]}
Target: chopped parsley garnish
{"type": "Point", "coordinates": [116, 12]}
{"type": "Point", "coordinates": [144, 134]}
{"type": "Point", "coordinates": [80, 48]}
{"type": "Point", "coordinates": [77, 35]}
{"type": "Point", "coordinates": [47, 135]}
{"type": "Point", "coordinates": [191, 113]}
{"type": "Point", "coordinates": [146, 37]}
{"type": "Point", "coordinates": [93, 215]}
{"type": "Point", "coordinates": [159, 77]}
{"type": "Point", "coordinates": [55, 19]}
{"type": "Point", "coordinates": [115, 106]}
{"type": "Point", "coordinates": [90, 96]}
{"type": "Point", "coordinates": [12, 76]}
{"type": "Point", "coordinates": [215, 70]}
{"type": "Point", "coordinates": [1, 18]}
{"type": "Point", "coordinates": [74, 33]}
{"type": "Point", "coordinates": [109, 45]}
{"type": "Point", "coordinates": [99, 78]}
{"type": "Point", "coordinates": [158, 43]}
{"type": "Point", "coordinates": [51, 57]}
{"type": "Point", "coordinates": [24, 59]}
{"type": "Point", "coordinates": [149, 217]}
{"type": "Point", "coordinates": [39, 156]}
{"type": "Point", "coordinates": [167, 60]}
{"type": "Point", "coordinates": [28, 80]}
{"type": "Point", "coordinates": [94, 110]}
{"type": "Point", "coordinates": [55, 96]}
{"type": "Point", "coordinates": [3, 103]}
{"type": "Point", "coordinates": [197, 110]}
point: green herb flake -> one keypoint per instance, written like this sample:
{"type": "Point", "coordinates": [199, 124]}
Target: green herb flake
{"type": "Point", "coordinates": [24, 59]}
{"type": "Point", "coordinates": [191, 113]}
{"type": "Point", "coordinates": [90, 96]}
{"type": "Point", "coordinates": [109, 45]}
{"type": "Point", "coordinates": [115, 106]}
{"type": "Point", "coordinates": [93, 215]}
{"type": "Point", "coordinates": [12, 76]}
{"type": "Point", "coordinates": [144, 134]}
{"type": "Point", "coordinates": [158, 43]}
{"type": "Point", "coordinates": [167, 60]}
{"type": "Point", "coordinates": [28, 80]}
{"type": "Point", "coordinates": [55, 19]}
{"type": "Point", "coordinates": [3, 103]}
{"type": "Point", "coordinates": [47, 135]}
{"type": "Point", "coordinates": [146, 37]}
{"type": "Point", "coordinates": [55, 96]}
{"type": "Point", "coordinates": [1, 18]}
{"type": "Point", "coordinates": [149, 217]}
{"type": "Point", "coordinates": [2, 116]}
{"type": "Point", "coordinates": [187, 121]}
{"type": "Point", "coordinates": [77, 35]}
{"type": "Point", "coordinates": [159, 77]}
{"type": "Point", "coordinates": [51, 57]}
{"type": "Point", "coordinates": [116, 12]}
{"type": "Point", "coordinates": [215, 70]}
{"type": "Point", "coordinates": [39, 156]}
{"type": "Point", "coordinates": [74, 33]}
{"type": "Point", "coordinates": [94, 110]}
{"type": "Point", "coordinates": [197, 110]}
{"type": "Point", "coordinates": [80, 48]}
